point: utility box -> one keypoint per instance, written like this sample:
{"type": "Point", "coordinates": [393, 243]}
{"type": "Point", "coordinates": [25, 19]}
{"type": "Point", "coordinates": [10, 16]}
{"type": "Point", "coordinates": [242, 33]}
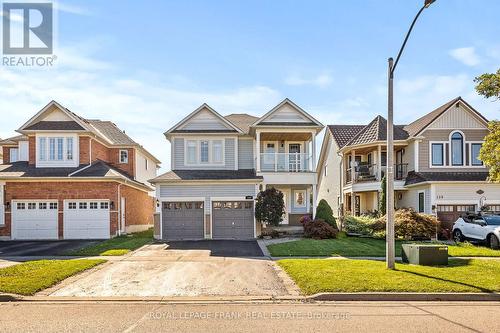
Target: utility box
{"type": "Point", "coordinates": [425, 254]}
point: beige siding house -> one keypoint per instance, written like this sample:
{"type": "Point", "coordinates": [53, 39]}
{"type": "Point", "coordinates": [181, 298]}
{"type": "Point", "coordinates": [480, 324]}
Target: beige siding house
{"type": "Point", "coordinates": [437, 170]}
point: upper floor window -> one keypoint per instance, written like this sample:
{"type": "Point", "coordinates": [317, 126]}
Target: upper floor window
{"type": "Point", "coordinates": [457, 149]}
{"type": "Point", "coordinates": [56, 149]}
{"type": "Point", "coordinates": [123, 156]}
{"type": "Point", "coordinates": [204, 152]}
{"type": "Point", "coordinates": [437, 154]}
{"type": "Point", "coordinates": [474, 149]}
{"type": "Point", "coordinates": [14, 155]}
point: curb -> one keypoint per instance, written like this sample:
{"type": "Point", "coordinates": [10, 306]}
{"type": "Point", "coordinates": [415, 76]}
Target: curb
{"type": "Point", "coordinates": [466, 297]}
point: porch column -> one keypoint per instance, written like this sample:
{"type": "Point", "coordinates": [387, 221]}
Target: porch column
{"type": "Point", "coordinates": [379, 163]}
{"type": "Point", "coordinates": [313, 150]}
{"type": "Point", "coordinates": [257, 150]}
{"type": "Point", "coordinates": [314, 201]}
{"type": "Point", "coordinates": [353, 203]}
{"type": "Point", "coordinates": [353, 163]}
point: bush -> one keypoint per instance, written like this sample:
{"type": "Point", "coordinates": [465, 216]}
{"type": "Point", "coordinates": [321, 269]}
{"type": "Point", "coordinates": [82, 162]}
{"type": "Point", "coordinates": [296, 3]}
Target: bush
{"type": "Point", "coordinates": [325, 212]}
{"type": "Point", "coordinates": [359, 224]}
{"type": "Point", "coordinates": [269, 232]}
{"type": "Point", "coordinates": [409, 224]}
{"type": "Point", "coordinates": [318, 229]}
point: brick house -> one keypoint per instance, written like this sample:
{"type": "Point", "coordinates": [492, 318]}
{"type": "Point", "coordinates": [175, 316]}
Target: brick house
{"type": "Point", "coordinates": [67, 177]}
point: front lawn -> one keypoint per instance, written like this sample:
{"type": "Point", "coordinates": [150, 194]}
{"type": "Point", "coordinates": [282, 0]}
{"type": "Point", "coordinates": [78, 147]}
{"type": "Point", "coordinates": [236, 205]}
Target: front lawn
{"type": "Point", "coordinates": [117, 246]}
{"type": "Point", "coordinates": [349, 275]}
{"type": "Point", "coordinates": [32, 276]}
{"type": "Point", "coordinates": [363, 247]}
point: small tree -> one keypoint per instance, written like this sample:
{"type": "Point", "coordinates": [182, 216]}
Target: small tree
{"type": "Point", "coordinates": [383, 193]}
{"type": "Point", "coordinates": [270, 206]}
{"type": "Point", "coordinates": [488, 84]}
{"type": "Point", "coordinates": [325, 212]}
{"type": "Point", "coordinates": [490, 151]}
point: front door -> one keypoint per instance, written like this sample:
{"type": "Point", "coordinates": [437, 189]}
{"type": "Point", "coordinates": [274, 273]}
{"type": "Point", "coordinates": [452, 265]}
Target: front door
{"type": "Point", "coordinates": [294, 160]}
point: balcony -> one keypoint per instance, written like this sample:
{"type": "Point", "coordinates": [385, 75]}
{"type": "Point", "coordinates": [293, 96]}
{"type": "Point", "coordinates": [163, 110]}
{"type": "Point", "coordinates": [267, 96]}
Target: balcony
{"type": "Point", "coordinates": [369, 173]}
{"type": "Point", "coordinates": [286, 162]}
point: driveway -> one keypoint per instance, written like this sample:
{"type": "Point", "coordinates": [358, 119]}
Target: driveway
{"type": "Point", "coordinates": [41, 248]}
{"type": "Point", "coordinates": [157, 270]}
{"type": "Point", "coordinates": [220, 248]}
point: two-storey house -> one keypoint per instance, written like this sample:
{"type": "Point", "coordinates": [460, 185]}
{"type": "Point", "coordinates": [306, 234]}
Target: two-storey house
{"type": "Point", "coordinates": [219, 165]}
{"type": "Point", "coordinates": [67, 177]}
{"type": "Point", "coordinates": [437, 168]}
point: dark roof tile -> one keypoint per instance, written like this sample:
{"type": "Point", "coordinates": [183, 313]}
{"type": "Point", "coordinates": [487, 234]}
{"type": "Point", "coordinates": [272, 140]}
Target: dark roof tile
{"type": "Point", "coordinates": [420, 177]}
{"type": "Point", "coordinates": [55, 126]}
{"type": "Point", "coordinates": [176, 175]}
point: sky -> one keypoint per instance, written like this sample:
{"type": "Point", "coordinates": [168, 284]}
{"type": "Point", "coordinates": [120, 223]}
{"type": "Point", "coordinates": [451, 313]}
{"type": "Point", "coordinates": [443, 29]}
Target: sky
{"type": "Point", "coordinates": [147, 64]}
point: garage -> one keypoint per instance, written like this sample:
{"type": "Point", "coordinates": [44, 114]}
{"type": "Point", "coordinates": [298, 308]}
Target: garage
{"type": "Point", "coordinates": [233, 220]}
{"type": "Point", "coordinates": [448, 214]}
{"type": "Point", "coordinates": [86, 219]}
{"type": "Point", "coordinates": [183, 220]}
{"type": "Point", "coordinates": [34, 220]}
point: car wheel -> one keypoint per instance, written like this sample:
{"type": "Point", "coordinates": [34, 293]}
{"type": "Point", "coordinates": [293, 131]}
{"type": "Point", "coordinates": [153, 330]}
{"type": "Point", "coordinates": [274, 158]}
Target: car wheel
{"type": "Point", "coordinates": [457, 236]}
{"type": "Point", "coordinates": [494, 243]}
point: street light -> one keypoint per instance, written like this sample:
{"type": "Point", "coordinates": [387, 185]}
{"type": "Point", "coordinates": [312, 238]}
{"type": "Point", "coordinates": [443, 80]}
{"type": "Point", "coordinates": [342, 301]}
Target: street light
{"type": "Point", "coordinates": [389, 238]}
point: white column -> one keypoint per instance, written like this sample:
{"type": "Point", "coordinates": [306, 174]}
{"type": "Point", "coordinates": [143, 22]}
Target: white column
{"type": "Point", "coordinates": [2, 208]}
{"type": "Point", "coordinates": [379, 163]}
{"type": "Point", "coordinates": [314, 201]}
{"type": "Point", "coordinates": [313, 150]}
{"type": "Point", "coordinates": [257, 151]}
{"type": "Point", "coordinates": [415, 153]}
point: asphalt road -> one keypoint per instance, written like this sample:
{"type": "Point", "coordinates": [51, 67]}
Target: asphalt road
{"type": "Point", "coordinates": [283, 317]}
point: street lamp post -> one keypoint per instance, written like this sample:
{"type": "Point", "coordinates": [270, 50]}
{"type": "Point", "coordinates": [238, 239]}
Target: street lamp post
{"type": "Point", "coordinates": [389, 238]}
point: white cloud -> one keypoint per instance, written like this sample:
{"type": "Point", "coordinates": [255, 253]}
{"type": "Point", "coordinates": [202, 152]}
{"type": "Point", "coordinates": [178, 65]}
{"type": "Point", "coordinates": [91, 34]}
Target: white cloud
{"type": "Point", "coordinates": [322, 80]}
{"type": "Point", "coordinates": [466, 55]}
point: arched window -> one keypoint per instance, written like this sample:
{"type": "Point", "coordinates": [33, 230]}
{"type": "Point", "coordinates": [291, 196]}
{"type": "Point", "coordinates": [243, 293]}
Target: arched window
{"type": "Point", "coordinates": [457, 149]}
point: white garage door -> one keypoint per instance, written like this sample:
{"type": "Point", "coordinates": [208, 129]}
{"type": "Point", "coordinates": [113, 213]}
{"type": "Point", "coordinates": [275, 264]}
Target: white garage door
{"type": "Point", "coordinates": [86, 219]}
{"type": "Point", "coordinates": [34, 220]}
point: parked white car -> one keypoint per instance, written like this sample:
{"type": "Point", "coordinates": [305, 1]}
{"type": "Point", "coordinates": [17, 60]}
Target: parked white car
{"type": "Point", "coordinates": [483, 228]}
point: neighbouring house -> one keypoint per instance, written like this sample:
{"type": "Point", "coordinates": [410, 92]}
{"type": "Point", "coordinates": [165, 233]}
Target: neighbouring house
{"type": "Point", "coordinates": [436, 170]}
{"type": "Point", "coordinates": [220, 163]}
{"type": "Point", "coordinates": [67, 177]}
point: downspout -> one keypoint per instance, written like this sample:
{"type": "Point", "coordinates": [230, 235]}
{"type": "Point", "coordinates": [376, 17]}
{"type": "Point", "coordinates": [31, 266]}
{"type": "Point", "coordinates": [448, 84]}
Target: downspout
{"type": "Point", "coordinates": [119, 205]}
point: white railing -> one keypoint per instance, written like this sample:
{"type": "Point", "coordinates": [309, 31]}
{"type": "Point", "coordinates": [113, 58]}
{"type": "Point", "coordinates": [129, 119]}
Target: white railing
{"type": "Point", "coordinates": [285, 162]}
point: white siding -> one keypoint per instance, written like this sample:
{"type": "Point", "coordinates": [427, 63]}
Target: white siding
{"type": "Point", "coordinates": [286, 113]}
{"type": "Point", "coordinates": [246, 159]}
{"type": "Point", "coordinates": [329, 187]}
{"type": "Point", "coordinates": [205, 120]}
{"type": "Point", "coordinates": [141, 173]}
{"type": "Point", "coordinates": [458, 118]}
{"type": "Point", "coordinates": [23, 150]}
{"type": "Point", "coordinates": [466, 193]}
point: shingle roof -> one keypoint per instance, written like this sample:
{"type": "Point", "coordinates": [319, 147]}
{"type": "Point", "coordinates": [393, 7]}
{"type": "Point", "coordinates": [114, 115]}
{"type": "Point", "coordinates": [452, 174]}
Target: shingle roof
{"type": "Point", "coordinates": [376, 130]}
{"type": "Point", "coordinates": [179, 175]}
{"type": "Point", "coordinates": [13, 140]}
{"type": "Point", "coordinates": [242, 121]}
{"type": "Point", "coordinates": [111, 132]}
{"type": "Point", "coordinates": [343, 133]}
{"type": "Point", "coordinates": [420, 177]}
{"type": "Point", "coordinates": [422, 122]}
{"type": "Point", "coordinates": [55, 126]}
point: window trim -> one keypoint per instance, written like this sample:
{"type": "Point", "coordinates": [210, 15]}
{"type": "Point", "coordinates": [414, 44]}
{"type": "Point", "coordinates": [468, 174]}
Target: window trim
{"type": "Point", "coordinates": [418, 201]}
{"type": "Point", "coordinates": [120, 156]}
{"type": "Point", "coordinates": [16, 149]}
{"type": "Point", "coordinates": [43, 143]}
{"type": "Point", "coordinates": [432, 144]}
{"type": "Point", "coordinates": [210, 162]}
{"type": "Point", "coordinates": [451, 148]}
{"type": "Point", "coordinates": [471, 143]}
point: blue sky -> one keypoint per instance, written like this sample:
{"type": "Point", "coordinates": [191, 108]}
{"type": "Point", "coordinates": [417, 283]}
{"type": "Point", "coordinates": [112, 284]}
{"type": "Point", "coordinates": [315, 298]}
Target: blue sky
{"type": "Point", "coordinates": [146, 64]}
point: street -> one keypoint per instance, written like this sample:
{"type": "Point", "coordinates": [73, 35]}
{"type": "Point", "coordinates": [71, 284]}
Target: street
{"type": "Point", "coordinates": [251, 317]}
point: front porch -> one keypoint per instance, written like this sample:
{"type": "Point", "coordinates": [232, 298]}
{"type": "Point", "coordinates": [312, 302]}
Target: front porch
{"type": "Point", "coordinates": [366, 202]}
{"type": "Point", "coordinates": [299, 200]}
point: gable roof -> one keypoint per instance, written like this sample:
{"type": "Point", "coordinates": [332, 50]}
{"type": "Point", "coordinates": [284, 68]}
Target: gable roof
{"type": "Point", "coordinates": [312, 120]}
{"type": "Point", "coordinates": [204, 106]}
{"type": "Point", "coordinates": [13, 140]}
{"type": "Point", "coordinates": [242, 120]}
{"type": "Point", "coordinates": [375, 131]}
{"type": "Point", "coordinates": [421, 123]}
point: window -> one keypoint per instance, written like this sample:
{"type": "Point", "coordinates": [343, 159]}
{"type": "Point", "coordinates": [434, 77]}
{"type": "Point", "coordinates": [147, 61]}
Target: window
{"type": "Point", "coordinates": [53, 205]}
{"type": "Point", "coordinates": [384, 158]}
{"type": "Point", "coordinates": [474, 153]}
{"type": "Point", "coordinates": [60, 142]}
{"type": "Point", "coordinates": [72, 205]}
{"type": "Point", "coordinates": [42, 205]}
{"type": "Point", "coordinates": [191, 152]}
{"type": "Point", "coordinates": [369, 158]}
{"type": "Point", "coordinates": [82, 205]}
{"type": "Point", "coordinates": [204, 152]}
{"type": "Point", "coordinates": [104, 205]}
{"type": "Point", "coordinates": [21, 206]}
{"type": "Point", "coordinates": [270, 150]}
{"type": "Point", "coordinates": [300, 198]}
{"type": "Point", "coordinates": [31, 205]}
{"type": "Point", "coordinates": [421, 202]}
{"type": "Point", "coordinates": [93, 205]}
{"type": "Point", "coordinates": [437, 154]}
{"type": "Point", "coordinates": [13, 155]}
{"type": "Point", "coordinates": [69, 149]}
{"type": "Point", "coordinates": [42, 146]}
{"type": "Point", "coordinates": [123, 156]}
{"type": "Point", "coordinates": [457, 149]}
{"type": "Point", "coordinates": [52, 149]}
{"type": "Point", "coordinates": [217, 151]}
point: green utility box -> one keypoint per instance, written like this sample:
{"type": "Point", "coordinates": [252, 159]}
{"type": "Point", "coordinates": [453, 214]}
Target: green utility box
{"type": "Point", "coordinates": [425, 254]}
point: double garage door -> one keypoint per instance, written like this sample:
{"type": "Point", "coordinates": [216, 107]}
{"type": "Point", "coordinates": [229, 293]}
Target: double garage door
{"type": "Point", "coordinates": [448, 214]}
{"type": "Point", "coordinates": [185, 220]}
{"type": "Point", "coordinates": [83, 219]}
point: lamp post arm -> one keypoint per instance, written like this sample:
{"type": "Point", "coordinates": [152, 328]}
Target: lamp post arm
{"type": "Point", "coordinates": [406, 39]}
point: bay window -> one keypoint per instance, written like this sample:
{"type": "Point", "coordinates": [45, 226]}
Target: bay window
{"type": "Point", "coordinates": [69, 149]}
{"type": "Point", "coordinates": [191, 152]}
{"type": "Point", "coordinates": [204, 152]}
{"type": "Point", "coordinates": [56, 150]}
{"type": "Point", "coordinates": [217, 151]}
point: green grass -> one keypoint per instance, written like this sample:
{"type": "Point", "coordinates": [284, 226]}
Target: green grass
{"type": "Point", "coordinates": [32, 276]}
{"type": "Point", "coordinates": [363, 247]}
{"type": "Point", "coordinates": [117, 246]}
{"type": "Point", "coordinates": [349, 275]}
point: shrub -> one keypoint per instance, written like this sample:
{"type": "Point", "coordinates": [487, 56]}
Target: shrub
{"type": "Point", "coordinates": [359, 224]}
{"type": "Point", "coordinates": [410, 224]}
{"type": "Point", "coordinates": [270, 206]}
{"type": "Point", "coordinates": [325, 212]}
{"type": "Point", "coordinates": [319, 229]}
{"type": "Point", "coordinates": [270, 232]}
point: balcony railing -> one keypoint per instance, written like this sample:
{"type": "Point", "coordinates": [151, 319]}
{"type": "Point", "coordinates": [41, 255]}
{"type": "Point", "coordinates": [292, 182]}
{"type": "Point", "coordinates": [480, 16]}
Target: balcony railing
{"type": "Point", "coordinates": [285, 162]}
{"type": "Point", "coordinates": [369, 172]}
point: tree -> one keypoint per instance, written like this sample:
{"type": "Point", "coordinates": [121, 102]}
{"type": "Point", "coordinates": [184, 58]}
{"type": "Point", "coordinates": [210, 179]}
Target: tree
{"type": "Point", "coordinates": [325, 212]}
{"type": "Point", "coordinates": [488, 84]}
{"type": "Point", "coordinates": [383, 194]}
{"type": "Point", "coordinates": [490, 151]}
{"type": "Point", "coordinates": [270, 206]}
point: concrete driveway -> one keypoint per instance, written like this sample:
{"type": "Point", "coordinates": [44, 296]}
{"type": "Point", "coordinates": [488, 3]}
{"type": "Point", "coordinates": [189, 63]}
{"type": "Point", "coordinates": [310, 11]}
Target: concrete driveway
{"type": "Point", "coordinates": [157, 271]}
